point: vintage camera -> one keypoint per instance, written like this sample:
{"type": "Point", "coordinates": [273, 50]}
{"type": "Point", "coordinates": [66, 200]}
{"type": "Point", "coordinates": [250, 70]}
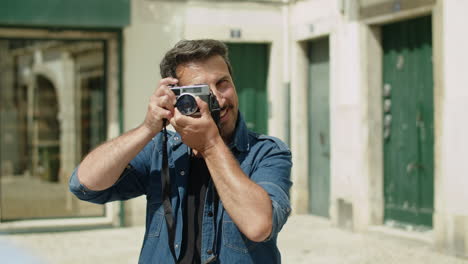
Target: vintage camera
{"type": "Point", "coordinates": [187, 105]}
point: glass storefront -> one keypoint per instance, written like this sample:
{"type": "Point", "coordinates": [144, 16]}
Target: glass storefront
{"type": "Point", "coordinates": [52, 112]}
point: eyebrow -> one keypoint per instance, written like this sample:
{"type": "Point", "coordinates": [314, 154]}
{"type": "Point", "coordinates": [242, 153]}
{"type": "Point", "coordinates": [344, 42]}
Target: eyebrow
{"type": "Point", "coordinates": [225, 77]}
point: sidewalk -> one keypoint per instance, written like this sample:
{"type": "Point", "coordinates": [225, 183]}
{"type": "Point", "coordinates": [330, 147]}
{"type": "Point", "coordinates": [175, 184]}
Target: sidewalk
{"type": "Point", "coordinates": [304, 239]}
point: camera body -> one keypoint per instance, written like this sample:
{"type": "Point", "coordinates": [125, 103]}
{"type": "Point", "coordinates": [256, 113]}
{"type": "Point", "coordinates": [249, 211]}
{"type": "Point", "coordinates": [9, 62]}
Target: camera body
{"type": "Point", "coordinates": [187, 105]}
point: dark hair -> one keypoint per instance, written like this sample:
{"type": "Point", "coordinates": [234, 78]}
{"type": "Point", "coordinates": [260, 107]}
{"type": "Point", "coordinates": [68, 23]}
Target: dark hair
{"type": "Point", "coordinates": [192, 50]}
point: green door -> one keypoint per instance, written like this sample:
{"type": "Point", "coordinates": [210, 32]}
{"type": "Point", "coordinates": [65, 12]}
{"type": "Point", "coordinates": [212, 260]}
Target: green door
{"type": "Point", "coordinates": [408, 122]}
{"type": "Point", "coordinates": [250, 68]}
{"type": "Point", "coordinates": [319, 127]}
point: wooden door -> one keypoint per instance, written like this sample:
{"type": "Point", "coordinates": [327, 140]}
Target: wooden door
{"type": "Point", "coordinates": [408, 122]}
{"type": "Point", "coordinates": [319, 127]}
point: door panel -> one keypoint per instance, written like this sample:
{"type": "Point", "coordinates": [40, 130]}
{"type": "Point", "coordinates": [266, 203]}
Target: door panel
{"type": "Point", "coordinates": [408, 121]}
{"type": "Point", "coordinates": [250, 69]}
{"type": "Point", "coordinates": [319, 128]}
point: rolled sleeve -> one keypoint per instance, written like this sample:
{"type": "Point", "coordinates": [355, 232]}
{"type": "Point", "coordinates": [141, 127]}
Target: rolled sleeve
{"type": "Point", "coordinates": [280, 205]}
{"type": "Point", "coordinates": [273, 175]}
{"type": "Point", "coordinates": [131, 183]}
{"type": "Point", "coordinates": [84, 193]}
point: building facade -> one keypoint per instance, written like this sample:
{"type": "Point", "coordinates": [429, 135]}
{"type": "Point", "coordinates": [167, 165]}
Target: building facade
{"type": "Point", "coordinates": [370, 96]}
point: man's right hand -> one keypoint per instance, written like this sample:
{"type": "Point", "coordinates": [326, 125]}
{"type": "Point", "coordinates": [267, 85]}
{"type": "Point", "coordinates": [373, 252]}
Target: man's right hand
{"type": "Point", "coordinates": [161, 106]}
{"type": "Point", "coordinates": [103, 166]}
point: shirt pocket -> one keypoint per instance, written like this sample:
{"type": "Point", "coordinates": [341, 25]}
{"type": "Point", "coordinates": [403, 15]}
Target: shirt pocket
{"type": "Point", "coordinates": [234, 239]}
{"type": "Point", "coordinates": [155, 220]}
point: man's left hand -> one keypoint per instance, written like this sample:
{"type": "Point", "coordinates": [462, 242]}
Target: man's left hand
{"type": "Point", "coordinates": [199, 133]}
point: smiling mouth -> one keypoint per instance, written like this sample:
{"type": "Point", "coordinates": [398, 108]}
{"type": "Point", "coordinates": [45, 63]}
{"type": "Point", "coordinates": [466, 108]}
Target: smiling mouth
{"type": "Point", "coordinates": [223, 112]}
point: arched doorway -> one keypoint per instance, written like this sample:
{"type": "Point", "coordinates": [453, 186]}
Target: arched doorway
{"type": "Point", "coordinates": [46, 131]}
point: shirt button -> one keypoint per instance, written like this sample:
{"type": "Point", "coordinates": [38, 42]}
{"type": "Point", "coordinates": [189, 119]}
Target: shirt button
{"type": "Point", "coordinates": [176, 245]}
{"type": "Point", "coordinates": [182, 173]}
{"type": "Point", "coordinates": [209, 252]}
{"type": "Point", "coordinates": [210, 214]}
{"type": "Point", "coordinates": [176, 138]}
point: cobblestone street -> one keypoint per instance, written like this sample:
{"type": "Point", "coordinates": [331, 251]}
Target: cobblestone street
{"type": "Point", "coordinates": [304, 239]}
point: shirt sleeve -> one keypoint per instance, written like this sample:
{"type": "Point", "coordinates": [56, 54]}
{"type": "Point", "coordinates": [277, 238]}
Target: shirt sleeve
{"type": "Point", "coordinates": [273, 174]}
{"type": "Point", "coordinates": [132, 182]}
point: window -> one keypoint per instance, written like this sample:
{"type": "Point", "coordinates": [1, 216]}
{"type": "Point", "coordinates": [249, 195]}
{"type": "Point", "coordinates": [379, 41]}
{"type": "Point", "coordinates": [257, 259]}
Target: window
{"type": "Point", "coordinates": [53, 111]}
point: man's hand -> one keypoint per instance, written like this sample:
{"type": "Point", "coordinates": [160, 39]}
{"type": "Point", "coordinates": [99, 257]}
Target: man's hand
{"type": "Point", "coordinates": [199, 133]}
{"type": "Point", "coordinates": [161, 106]}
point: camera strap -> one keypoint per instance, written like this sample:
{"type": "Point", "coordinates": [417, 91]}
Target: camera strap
{"type": "Point", "coordinates": [166, 194]}
{"type": "Point", "coordinates": [166, 182]}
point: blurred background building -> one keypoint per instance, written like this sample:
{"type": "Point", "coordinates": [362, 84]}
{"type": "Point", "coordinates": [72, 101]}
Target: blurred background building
{"type": "Point", "coordinates": [371, 96]}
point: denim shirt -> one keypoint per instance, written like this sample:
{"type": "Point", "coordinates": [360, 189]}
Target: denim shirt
{"type": "Point", "coordinates": [266, 160]}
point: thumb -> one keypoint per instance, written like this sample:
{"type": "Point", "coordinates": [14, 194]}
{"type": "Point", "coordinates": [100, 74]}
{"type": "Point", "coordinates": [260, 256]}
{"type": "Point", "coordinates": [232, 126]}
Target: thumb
{"type": "Point", "coordinates": [203, 106]}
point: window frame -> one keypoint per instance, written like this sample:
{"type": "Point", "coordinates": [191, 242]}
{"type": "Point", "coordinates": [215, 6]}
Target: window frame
{"type": "Point", "coordinates": [112, 38]}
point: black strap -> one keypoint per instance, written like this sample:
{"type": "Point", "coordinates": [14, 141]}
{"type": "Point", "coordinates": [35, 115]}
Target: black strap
{"type": "Point", "coordinates": [166, 187]}
{"type": "Point", "coordinates": [166, 194]}
{"type": "Point", "coordinates": [215, 198]}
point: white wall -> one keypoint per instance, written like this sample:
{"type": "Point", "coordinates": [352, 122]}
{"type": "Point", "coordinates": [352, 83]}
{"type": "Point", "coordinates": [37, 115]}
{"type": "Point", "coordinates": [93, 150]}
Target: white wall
{"type": "Point", "coordinates": [455, 107]}
{"type": "Point", "coordinates": [451, 196]}
{"type": "Point", "coordinates": [308, 20]}
{"type": "Point", "coordinates": [311, 20]}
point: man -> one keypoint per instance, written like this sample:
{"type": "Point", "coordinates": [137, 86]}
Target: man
{"type": "Point", "coordinates": [230, 186]}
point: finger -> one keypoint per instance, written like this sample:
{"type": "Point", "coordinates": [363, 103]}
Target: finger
{"type": "Point", "coordinates": [166, 102]}
{"type": "Point", "coordinates": [165, 95]}
{"type": "Point", "coordinates": [168, 81]}
{"type": "Point", "coordinates": [175, 119]}
{"type": "Point", "coordinates": [166, 118]}
{"type": "Point", "coordinates": [173, 122]}
{"type": "Point", "coordinates": [181, 120]}
{"type": "Point", "coordinates": [164, 86]}
{"type": "Point", "coordinates": [163, 89]}
{"type": "Point", "coordinates": [160, 113]}
{"type": "Point", "coordinates": [203, 106]}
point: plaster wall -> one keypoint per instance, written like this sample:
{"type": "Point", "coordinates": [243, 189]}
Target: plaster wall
{"type": "Point", "coordinates": [311, 20]}
{"type": "Point", "coordinates": [451, 213]}
{"type": "Point", "coordinates": [308, 20]}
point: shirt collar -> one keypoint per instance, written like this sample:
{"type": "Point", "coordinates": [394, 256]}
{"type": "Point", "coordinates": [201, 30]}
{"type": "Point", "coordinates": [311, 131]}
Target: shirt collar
{"type": "Point", "coordinates": [241, 135]}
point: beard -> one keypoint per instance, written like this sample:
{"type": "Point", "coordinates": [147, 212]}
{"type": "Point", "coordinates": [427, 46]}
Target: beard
{"type": "Point", "coordinates": [227, 128]}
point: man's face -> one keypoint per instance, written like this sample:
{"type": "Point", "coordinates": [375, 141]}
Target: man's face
{"type": "Point", "coordinates": [215, 73]}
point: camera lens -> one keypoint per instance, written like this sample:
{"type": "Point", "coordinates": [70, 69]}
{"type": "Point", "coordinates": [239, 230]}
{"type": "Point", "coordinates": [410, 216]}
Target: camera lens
{"type": "Point", "coordinates": [186, 104]}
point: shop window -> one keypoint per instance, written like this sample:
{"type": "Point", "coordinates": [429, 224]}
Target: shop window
{"type": "Point", "coordinates": [52, 112]}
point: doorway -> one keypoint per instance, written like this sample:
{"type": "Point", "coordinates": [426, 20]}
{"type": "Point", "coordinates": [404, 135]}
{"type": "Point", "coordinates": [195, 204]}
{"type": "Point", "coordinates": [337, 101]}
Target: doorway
{"type": "Point", "coordinates": [249, 62]}
{"type": "Point", "coordinates": [319, 127]}
{"type": "Point", "coordinates": [408, 102]}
